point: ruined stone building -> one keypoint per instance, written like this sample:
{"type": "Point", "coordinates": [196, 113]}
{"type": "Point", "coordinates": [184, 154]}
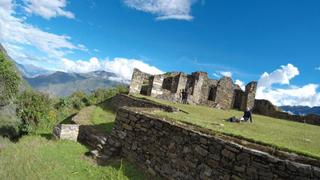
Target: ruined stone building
{"type": "Point", "coordinates": [222, 93]}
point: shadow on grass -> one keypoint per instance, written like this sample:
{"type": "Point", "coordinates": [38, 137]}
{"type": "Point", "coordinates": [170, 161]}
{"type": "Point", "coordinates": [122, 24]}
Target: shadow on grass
{"type": "Point", "coordinates": [68, 120]}
{"type": "Point", "coordinates": [10, 132]}
{"type": "Point", "coordinates": [48, 136]}
{"type": "Point", "coordinates": [105, 127]}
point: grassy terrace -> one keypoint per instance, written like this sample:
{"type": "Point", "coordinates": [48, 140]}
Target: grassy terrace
{"type": "Point", "coordinates": [35, 157]}
{"type": "Point", "coordinates": [285, 135]}
{"type": "Point", "coordinates": [95, 115]}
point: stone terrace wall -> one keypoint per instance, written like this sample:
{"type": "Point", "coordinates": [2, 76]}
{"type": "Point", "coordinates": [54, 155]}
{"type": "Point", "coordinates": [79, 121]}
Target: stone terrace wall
{"type": "Point", "coordinates": [122, 100]}
{"type": "Point", "coordinates": [172, 151]}
{"type": "Point", "coordinates": [265, 107]}
{"type": "Point", "coordinates": [103, 145]}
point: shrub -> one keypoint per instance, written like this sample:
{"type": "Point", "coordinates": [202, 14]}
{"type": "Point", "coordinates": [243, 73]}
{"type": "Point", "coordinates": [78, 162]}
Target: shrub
{"type": "Point", "coordinates": [35, 110]}
{"type": "Point", "coordinates": [9, 80]}
{"type": "Point", "coordinates": [101, 94]}
{"type": "Point", "coordinates": [78, 100]}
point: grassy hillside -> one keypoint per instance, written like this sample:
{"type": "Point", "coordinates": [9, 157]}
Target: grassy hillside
{"type": "Point", "coordinates": [286, 135]}
{"type": "Point", "coordinates": [35, 157]}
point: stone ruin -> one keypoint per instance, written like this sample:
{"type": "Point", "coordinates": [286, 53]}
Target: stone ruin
{"type": "Point", "coordinates": [222, 93]}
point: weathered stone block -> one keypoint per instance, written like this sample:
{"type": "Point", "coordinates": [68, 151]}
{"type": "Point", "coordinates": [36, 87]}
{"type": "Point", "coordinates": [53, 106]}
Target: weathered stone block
{"type": "Point", "coordinates": [66, 131]}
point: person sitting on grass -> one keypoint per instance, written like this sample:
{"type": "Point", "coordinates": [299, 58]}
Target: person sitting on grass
{"type": "Point", "coordinates": [247, 115]}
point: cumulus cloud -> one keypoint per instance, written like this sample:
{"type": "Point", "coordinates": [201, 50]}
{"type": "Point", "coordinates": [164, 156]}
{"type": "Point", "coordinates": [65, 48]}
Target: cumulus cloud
{"type": "Point", "coordinates": [48, 9]}
{"type": "Point", "coordinates": [280, 76]}
{"type": "Point", "coordinates": [226, 73]}
{"type": "Point", "coordinates": [219, 74]}
{"type": "Point", "coordinates": [122, 67]}
{"type": "Point", "coordinates": [240, 83]}
{"type": "Point", "coordinates": [14, 30]}
{"type": "Point", "coordinates": [164, 9]}
{"type": "Point", "coordinates": [306, 95]}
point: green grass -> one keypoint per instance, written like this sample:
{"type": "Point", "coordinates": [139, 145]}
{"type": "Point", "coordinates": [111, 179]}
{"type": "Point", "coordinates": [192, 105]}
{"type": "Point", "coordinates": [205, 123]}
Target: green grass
{"type": "Point", "coordinates": [95, 115]}
{"type": "Point", "coordinates": [35, 157]}
{"type": "Point", "coordinates": [104, 118]}
{"type": "Point", "coordinates": [282, 134]}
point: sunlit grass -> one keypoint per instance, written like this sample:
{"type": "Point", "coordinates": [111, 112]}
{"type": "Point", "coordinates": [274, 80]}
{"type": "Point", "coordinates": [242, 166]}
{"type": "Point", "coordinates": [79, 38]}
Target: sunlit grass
{"type": "Point", "coordinates": [35, 157]}
{"type": "Point", "coordinates": [287, 135]}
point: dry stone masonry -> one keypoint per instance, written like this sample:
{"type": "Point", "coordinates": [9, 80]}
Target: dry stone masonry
{"type": "Point", "coordinates": [172, 151]}
{"type": "Point", "coordinates": [221, 93]}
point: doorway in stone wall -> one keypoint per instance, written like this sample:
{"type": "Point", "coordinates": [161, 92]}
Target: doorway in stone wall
{"type": "Point", "coordinates": [212, 93]}
{"type": "Point", "coordinates": [145, 87]}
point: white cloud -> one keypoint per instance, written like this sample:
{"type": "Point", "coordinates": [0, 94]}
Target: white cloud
{"type": "Point", "coordinates": [318, 68]}
{"type": "Point", "coordinates": [226, 73]}
{"type": "Point", "coordinates": [122, 67]}
{"type": "Point", "coordinates": [5, 5]}
{"type": "Point", "coordinates": [306, 95]}
{"type": "Point", "coordinates": [241, 84]}
{"type": "Point", "coordinates": [48, 8]}
{"type": "Point", "coordinates": [14, 30]}
{"type": "Point", "coordinates": [164, 9]}
{"type": "Point", "coordinates": [280, 76]}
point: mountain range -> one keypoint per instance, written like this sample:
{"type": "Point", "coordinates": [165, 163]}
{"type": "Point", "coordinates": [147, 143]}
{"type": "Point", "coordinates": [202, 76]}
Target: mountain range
{"type": "Point", "coordinates": [301, 110]}
{"type": "Point", "coordinates": [64, 84]}
{"type": "Point", "coordinates": [30, 71]}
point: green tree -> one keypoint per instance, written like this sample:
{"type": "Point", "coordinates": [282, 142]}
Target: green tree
{"type": "Point", "coordinates": [9, 80]}
{"type": "Point", "coordinates": [35, 110]}
{"type": "Point", "coordinates": [79, 100]}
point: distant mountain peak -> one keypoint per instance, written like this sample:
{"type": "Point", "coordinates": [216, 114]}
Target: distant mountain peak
{"type": "Point", "coordinates": [61, 83]}
{"type": "Point", "coordinates": [301, 110]}
{"type": "Point", "coordinates": [30, 70]}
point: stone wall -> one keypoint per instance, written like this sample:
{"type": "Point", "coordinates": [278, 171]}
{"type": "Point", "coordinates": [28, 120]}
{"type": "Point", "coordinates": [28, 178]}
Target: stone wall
{"type": "Point", "coordinates": [174, 151]}
{"type": "Point", "coordinates": [224, 94]}
{"type": "Point", "coordinates": [221, 93]}
{"type": "Point", "coordinates": [121, 100]}
{"type": "Point", "coordinates": [199, 80]}
{"type": "Point", "coordinates": [265, 107]}
{"type": "Point", "coordinates": [157, 86]}
{"type": "Point", "coordinates": [137, 80]}
{"type": "Point", "coordinates": [103, 146]}
{"type": "Point", "coordinates": [249, 96]}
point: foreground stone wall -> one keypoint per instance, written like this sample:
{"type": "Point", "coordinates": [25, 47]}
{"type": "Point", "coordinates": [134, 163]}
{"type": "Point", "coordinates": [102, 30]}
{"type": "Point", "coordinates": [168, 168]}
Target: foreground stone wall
{"type": "Point", "coordinates": [174, 151]}
{"type": "Point", "coordinates": [265, 107]}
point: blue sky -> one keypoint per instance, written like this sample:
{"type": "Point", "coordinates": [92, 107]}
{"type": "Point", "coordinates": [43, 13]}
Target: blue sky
{"type": "Point", "coordinates": [242, 39]}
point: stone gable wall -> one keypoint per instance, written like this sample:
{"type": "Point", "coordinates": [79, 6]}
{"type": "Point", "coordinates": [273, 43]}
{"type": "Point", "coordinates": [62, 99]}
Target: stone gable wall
{"type": "Point", "coordinates": [265, 107]}
{"type": "Point", "coordinates": [172, 151]}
